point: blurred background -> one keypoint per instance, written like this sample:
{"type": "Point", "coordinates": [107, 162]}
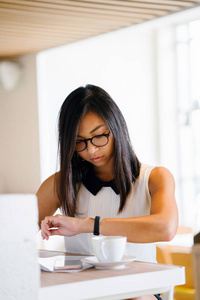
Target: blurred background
{"type": "Point", "coordinates": [144, 53]}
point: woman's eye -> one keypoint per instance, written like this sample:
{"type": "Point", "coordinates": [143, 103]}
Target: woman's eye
{"type": "Point", "coordinates": [78, 141]}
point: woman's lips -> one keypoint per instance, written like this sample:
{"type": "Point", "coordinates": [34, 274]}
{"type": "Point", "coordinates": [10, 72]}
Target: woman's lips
{"type": "Point", "coordinates": [96, 159]}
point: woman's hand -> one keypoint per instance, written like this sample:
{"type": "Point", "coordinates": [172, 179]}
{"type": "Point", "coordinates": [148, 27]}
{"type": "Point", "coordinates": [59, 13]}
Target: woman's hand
{"type": "Point", "coordinates": [65, 226]}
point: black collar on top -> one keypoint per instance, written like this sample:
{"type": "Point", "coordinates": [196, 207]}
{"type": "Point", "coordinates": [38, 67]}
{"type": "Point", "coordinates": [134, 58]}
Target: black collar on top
{"type": "Point", "coordinates": [94, 184]}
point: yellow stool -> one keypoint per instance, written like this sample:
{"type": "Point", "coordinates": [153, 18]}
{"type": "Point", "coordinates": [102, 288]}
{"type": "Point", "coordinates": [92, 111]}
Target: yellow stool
{"type": "Point", "coordinates": [186, 291]}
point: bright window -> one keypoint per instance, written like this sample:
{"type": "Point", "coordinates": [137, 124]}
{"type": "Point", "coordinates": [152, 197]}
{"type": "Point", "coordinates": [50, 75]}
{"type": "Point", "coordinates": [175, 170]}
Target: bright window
{"type": "Point", "coordinates": [188, 94]}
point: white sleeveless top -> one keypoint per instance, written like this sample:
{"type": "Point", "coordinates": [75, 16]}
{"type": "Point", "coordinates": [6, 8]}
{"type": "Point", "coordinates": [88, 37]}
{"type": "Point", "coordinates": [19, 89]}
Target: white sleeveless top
{"type": "Point", "coordinates": [106, 204]}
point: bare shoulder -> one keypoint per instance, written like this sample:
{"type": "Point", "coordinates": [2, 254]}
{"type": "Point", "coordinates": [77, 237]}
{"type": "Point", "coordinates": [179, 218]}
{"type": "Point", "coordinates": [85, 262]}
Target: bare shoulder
{"type": "Point", "coordinates": [160, 173]}
{"type": "Point", "coordinates": [48, 184]}
{"type": "Point", "coordinates": [48, 201]}
{"type": "Point", "coordinates": [161, 177]}
{"type": "Point", "coordinates": [47, 191]}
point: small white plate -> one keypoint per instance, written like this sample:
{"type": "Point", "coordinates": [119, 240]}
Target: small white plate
{"type": "Point", "coordinates": [92, 260]}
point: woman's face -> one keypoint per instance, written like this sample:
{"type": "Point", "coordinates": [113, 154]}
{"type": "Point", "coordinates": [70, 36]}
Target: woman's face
{"type": "Point", "coordinates": [92, 125]}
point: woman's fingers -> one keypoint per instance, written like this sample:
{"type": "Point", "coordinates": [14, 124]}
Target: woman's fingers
{"type": "Point", "coordinates": [48, 226]}
{"type": "Point", "coordinates": [45, 232]}
{"type": "Point", "coordinates": [55, 232]}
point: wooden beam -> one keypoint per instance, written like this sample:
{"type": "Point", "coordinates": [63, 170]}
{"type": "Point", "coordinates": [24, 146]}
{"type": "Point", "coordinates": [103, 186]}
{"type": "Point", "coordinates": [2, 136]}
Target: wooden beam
{"type": "Point", "coordinates": [78, 11]}
{"type": "Point", "coordinates": [97, 7]}
{"type": "Point", "coordinates": [46, 18]}
{"type": "Point", "coordinates": [72, 15]}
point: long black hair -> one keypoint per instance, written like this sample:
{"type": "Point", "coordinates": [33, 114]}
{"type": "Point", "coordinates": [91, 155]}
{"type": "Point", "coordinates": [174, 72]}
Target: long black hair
{"type": "Point", "coordinates": [126, 164]}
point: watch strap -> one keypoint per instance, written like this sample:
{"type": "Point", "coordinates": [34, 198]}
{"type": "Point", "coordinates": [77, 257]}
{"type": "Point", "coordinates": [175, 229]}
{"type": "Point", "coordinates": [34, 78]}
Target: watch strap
{"type": "Point", "coordinates": [96, 225]}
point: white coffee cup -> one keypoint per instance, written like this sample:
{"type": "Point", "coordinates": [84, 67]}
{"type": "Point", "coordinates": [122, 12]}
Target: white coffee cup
{"type": "Point", "coordinates": [109, 248]}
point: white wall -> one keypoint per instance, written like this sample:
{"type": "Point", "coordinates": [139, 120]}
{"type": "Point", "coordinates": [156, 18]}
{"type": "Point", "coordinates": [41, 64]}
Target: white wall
{"type": "Point", "coordinates": [19, 137]}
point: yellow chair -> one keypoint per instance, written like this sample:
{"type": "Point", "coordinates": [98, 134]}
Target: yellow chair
{"type": "Point", "coordinates": [196, 268]}
{"type": "Point", "coordinates": [163, 254]}
{"type": "Point", "coordinates": [182, 256]}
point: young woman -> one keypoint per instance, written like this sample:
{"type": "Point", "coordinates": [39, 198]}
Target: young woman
{"type": "Point", "coordinates": [100, 176]}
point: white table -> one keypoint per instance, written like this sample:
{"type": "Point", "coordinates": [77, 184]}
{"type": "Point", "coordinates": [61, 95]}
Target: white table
{"type": "Point", "coordinates": [136, 279]}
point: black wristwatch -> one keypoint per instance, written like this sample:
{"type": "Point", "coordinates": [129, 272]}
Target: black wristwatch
{"type": "Point", "coordinates": [96, 225]}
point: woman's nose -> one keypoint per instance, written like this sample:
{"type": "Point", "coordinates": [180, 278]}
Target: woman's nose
{"type": "Point", "coordinates": [91, 148]}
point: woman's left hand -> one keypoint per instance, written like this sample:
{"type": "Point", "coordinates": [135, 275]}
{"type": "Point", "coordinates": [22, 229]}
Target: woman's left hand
{"type": "Point", "coordinates": [65, 226]}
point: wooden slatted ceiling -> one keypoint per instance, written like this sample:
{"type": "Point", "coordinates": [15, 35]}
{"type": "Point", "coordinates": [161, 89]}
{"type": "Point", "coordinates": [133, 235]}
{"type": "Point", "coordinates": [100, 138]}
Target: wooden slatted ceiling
{"type": "Point", "coordinates": [32, 26]}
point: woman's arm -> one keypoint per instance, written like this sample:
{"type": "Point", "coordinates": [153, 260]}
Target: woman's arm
{"type": "Point", "coordinates": [160, 225]}
{"type": "Point", "coordinates": [48, 201]}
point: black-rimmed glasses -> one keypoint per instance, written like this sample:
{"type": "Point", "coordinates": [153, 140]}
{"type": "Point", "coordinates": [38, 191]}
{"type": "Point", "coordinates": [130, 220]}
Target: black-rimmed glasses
{"type": "Point", "coordinates": [97, 140]}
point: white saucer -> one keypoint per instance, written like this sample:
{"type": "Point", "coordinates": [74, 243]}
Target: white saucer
{"type": "Point", "coordinates": [92, 260]}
